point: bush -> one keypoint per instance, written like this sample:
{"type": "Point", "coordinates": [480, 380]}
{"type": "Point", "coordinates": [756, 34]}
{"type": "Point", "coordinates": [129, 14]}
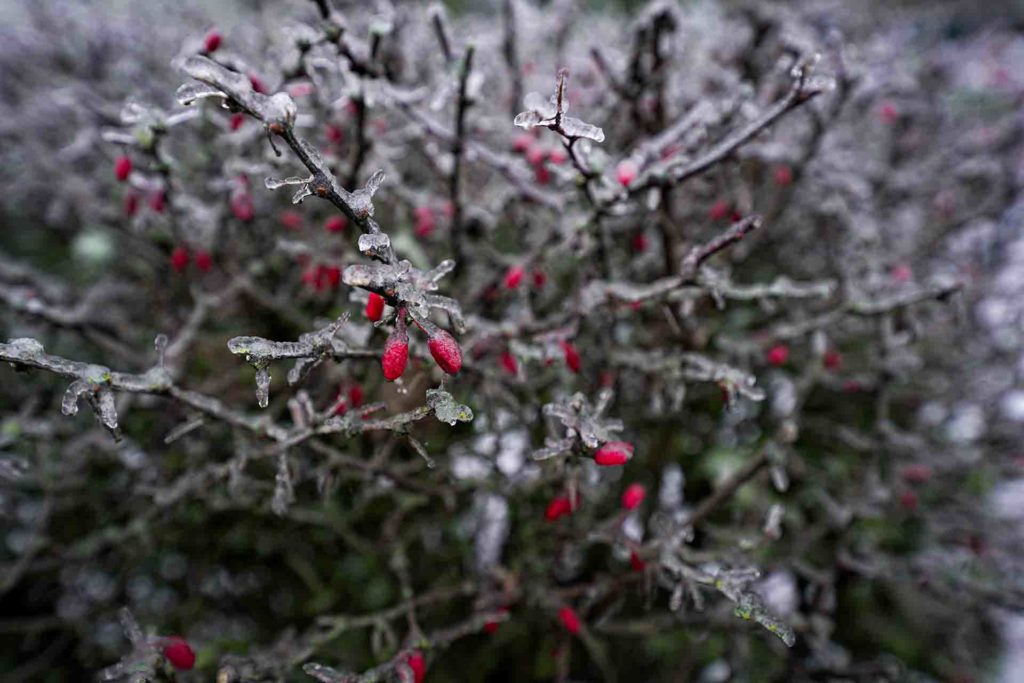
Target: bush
{"type": "Point", "coordinates": [533, 344]}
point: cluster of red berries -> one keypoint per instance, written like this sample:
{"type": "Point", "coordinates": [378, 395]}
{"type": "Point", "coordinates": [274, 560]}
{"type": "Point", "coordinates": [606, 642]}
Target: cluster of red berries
{"type": "Point", "coordinates": [442, 345]}
{"type": "Point", "coordinates": [538, 156]}
{"type": "Point", "coordinates": [180, 259]}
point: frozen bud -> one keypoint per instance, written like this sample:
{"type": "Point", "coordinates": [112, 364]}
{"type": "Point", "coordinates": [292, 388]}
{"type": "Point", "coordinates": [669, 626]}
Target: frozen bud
{"type": "Point", "coordinates": [633, 496]}
{"type": "Point", "coordinates": [179, 653]}
{"type": "Point", "coordinates": [123, 167]}
{"type": "Point", "coordinates": [396, 350]}
{"type": "Point", "coordinates": [446, 351]}
{"type": "Point", "coordinates": [204, 262]}
{"type": "Point", "coordinates": [569, 620]}
{"type": "Point", "coordinates": [625, 173]}
{"type": "Point", "coordinates": [179, 259]}
{"type": "Point", "coordinates": [777, 355]}
{"type": "Point", "coordinates": [613, 453]}
{"type": "Point", "coordinates": [572, 356]}
{"type": "Point", "coordinates": [212, 42]}
{"type": "Point", "coordinates": [375, 307]}
{"type": "Point", "coordinates": [514, 277]}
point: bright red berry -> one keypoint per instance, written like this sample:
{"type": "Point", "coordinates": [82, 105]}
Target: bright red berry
{"type": "Point", "coordinates": [613, 453]}
{"type": "Point", "coordinates": [179, 259]}
{"type": "Point", "coordinates": [625, 173]}
{"type": "Point", "coordinates": [558, 507]}
{"type": "Point", "coordinates": [719, 210]}
{"type": "Point", "coordinates": [332, 276]}
{"type": "Point", "coordinates": [179, 653]}
{"type": "Point", "coordinates": [291, 220]}
{"type": "Point", "coordinates": [509, 363]}
{"type": "Point", "coordinates": [569, 620]}
{"type": "Point", "coordinates": [514, 277]}
{"type": "Point", "coordinates": [446, 351]}
{"type": "Point", "coordinates": [917, 473]}
{"type": "Point", "coordinates": [123, 167]}
{"type": "Point", "coordinates": [572, 356]}
{"type": "Point", "coordinates": [418, 665]}
{"type": "Point", "coordinates": [335, 224]}
{"type": "Point", "coordinates": [212, 42]}
{"type": "Point", "coordinates": [783, 175]}
{"type": "Point", "coordinates": [396, 350]}
{"type": "Point", "coordinates": [832, 359]}
{"type": "Point", "coordinates": [633, 496]}
{"type": "Point", "coordinates": [374, 307]}
{"type": "Point", "coordinates": [204, 262]}
{"type": "Point", "coordinates": [778, 355]}
{"type": "Point", "coordinates": [636, 562]}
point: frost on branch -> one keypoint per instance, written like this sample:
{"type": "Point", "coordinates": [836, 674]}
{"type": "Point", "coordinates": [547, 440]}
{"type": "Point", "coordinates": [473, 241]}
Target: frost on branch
{"type": "Point", "coordinates": [550, 113]}
{"type": "Point", "coordinates": [237, 90]}
{"type": "Point", "coordinates": [140, 664]}
{"type": "Point", "coordinates": [584, 424]}
{"type": "Point", "coordinates": [446, 409]}
{"type": "Point", "coordinates": [403, 285]}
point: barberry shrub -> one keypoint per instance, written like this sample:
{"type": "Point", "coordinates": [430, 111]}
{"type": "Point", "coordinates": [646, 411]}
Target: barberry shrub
{"type": "Point", "coordinates": [364, 342]}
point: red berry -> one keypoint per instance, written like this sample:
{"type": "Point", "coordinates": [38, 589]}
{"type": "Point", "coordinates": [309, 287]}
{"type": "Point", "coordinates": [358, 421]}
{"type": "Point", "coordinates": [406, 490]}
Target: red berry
{"type": "Point", "coordinates": [396, 350]}
{"type": "Point", "coordinates": [522, 142]}
{"type": "Point", "coordinates": [901, 273]}
{"type": "Point", "coordinates": [778, 355]}
{"type": "Point", "coordinates": [291, 220]}
{"type": "Point", "coordinates": [446, 351]}
{"type": "Point", "coordinates": [335, 224]}
{"type": "Point", "coordinates": [633, 496]}
{"type": "Point", "coordinates": [569, 620]}
{"type": "Point", "coordinates": [212, 42]}
{"type": "Point", "coordinates": [542, 175]}
{"type": "Point", "coordinates": [179, 653]}
{"type": "Point", "coordinates": [917, 473]}
{"type": "Point", "coordinates": [257, 84]}
{"type": "Point", "coordinates": [236, 121]}
{"type": "Point", "coordinates": [719, 210]}
{"type": "Point", "coordinates": [131, 204]}
{"type": "Point", "coordinates": [783, 175]}
{"type": "Point", "coordinates": [832, 359]}
{"type": "Point", "coordinates": [491, 627]}
{"type": "Point", "coordinates": [509, 363]}
{"type": "Point", "coordinates": [572, 356]}
{"type": "Point", "coordinates": [335, 134]}
{"type": "Point", "coordinates": [332, 274]}
{"type": "Point", "coordinates": [425, 222]}
{"type": "Point", "coordinates": [625, 173]}
{"type": "Point", "coordinates": [558, 507]}
{"type": "Point", "coordinates": [514, 277]}
{"type": "Point", "coordinates": [204, 262]}
{"type": "Point", "coordinates": [535, 155]}
{"type": "Point", "coordinates": [241, 206]}
{"type": "Point", "coordinates": [375, 307]}
{"type": "Point", "coordinates": [613, 453]}
{"type": "Point", "coordinates": [557, 156]}
{"type": "Point", "coordinates": [908, 501]}
{"type": "Point", "coordinates": [179, 259]}
{"type": "Point", "coordinates": [888, 113]}
{"type": "Point", "coordinates": [123, 168]}
{"type": "Point", "coordinates": [418, 666]}
{"type": "Point", "coordinates": [158, 201]}
{"type": "Point", "coordinates": [539, 278]}
{"type": "Point", "coordinates": [636, 562]}
{"type": "Point", "coordinates": [355, 395]}
{"type": "Point", "coordinates": [639, 242]}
